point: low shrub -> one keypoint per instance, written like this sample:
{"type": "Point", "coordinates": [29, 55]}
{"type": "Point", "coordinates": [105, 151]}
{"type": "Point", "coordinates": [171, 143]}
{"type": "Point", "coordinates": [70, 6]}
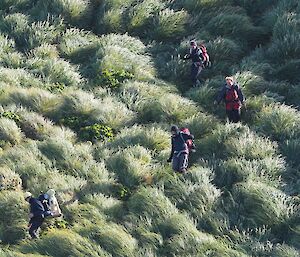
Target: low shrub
{"type": "Point", "coordinates": [113, 79]}
{"type": "Point", "coordinates": [96, 132]}
{"type": "Point", "coordinates": [13, 223]}
{"type": "Point", "coordinates": [9, 180]}
{"type": "Point", "coordinates": [62, 243]}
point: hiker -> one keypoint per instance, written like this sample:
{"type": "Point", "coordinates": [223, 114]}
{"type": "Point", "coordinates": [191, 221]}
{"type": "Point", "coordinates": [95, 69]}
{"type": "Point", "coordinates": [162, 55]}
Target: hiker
{"type": "Point", "coordinates": [179, 151]}
{"type": "Point", "coordinates": [36, 214]}
{"type": "Point", "coordinates": [232, 94]}
{"type": "Point", "coordinates": [197, 57]}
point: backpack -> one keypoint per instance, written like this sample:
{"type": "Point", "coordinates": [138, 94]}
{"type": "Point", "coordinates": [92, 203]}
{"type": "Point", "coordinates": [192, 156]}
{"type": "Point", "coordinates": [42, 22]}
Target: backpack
{"type": "Point", "coordinates": [231, 95]}
{"type": "Point", "coordinates": [190, 143]}
{"type": "Point", "coordinates": [206, 61]}
{"type": "Point", "coordinates": [53, 204]}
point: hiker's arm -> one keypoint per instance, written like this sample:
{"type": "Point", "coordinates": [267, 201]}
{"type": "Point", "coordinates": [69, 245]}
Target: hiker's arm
{"type": "Point", "coordinates": [172, 150]}
{"type": "Point", "coordinates": [187, 56]}
{"type": "Point", "coordinates": [187, 137]}
{"type": "Point", "coordinates": [241, 96]}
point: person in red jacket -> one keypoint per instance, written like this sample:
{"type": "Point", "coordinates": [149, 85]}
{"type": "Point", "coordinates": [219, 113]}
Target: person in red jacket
{"type": "Point", "coordinates": [233, 97]}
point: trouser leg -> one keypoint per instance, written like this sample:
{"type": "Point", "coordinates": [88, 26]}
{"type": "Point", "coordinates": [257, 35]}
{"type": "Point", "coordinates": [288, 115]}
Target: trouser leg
{"type": "Point", "coordinates": [175, 163]}
{"type": "Point", "coordinates": [236, 115]}
{"type": "Point", "coordinates": [183, 162]}
{"type": "Point", "coordinates": [230, 115]}
{"type": "Point", "coordinates": [34, 226]}
{"type": "Point", "coordinates": [195, 72]}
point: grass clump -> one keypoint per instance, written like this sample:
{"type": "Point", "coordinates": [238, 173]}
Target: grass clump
{"type": "Point", "coordinates": [170, 24]}
{"type": "Point", "coordinates": [9, 131]}
{"type": "Point", "coordinates": [279, 121]}
{"type": "Point", "coordinates": [132, 165]}
{"type": "Point", "coordinates": [114, 239]}
{"type": "Point", "coordinates": [151, 202]}
{"type": "Point", "coordinates": [9, 180]}
{"type": "Point", "coordinates": [62, 243]}
{"type": "Point", "coordinates": [261, 204]}
{"type": "Point", "coordinates": [13, 224]}
{"type": "Point", "coordinates": [149, 137]}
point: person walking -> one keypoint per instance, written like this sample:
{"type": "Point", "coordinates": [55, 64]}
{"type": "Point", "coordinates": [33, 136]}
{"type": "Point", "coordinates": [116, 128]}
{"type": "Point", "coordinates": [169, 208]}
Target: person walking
{"type": "Point", "coordinates": [36, 215]}
{"type": "Point", "coordinates": [179, 149]}
{"type": "Point", "coordinates": [233, 97]}
{"type": "Point", "coordinates": [196, 55]}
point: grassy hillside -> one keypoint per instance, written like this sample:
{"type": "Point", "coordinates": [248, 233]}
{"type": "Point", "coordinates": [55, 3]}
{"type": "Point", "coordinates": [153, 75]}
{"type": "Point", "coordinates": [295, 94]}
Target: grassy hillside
{"type": "Point", "coordinates": [88, 91]}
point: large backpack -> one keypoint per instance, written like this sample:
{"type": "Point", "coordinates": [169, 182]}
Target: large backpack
{"type": "Point", "coordinates": [189, 142]}
{"type": "Point", "coordinates": [206, 60]}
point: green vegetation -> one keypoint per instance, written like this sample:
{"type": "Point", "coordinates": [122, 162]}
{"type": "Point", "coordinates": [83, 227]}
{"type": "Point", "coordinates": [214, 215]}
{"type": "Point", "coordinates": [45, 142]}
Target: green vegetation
{"type": "Point", "coordinates": [88, 91]}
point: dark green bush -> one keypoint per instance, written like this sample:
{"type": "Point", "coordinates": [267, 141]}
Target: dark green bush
{"type": "Point", "coordinates": [96, 132]}
{"type": "Point", "coordinates": [113, 79]}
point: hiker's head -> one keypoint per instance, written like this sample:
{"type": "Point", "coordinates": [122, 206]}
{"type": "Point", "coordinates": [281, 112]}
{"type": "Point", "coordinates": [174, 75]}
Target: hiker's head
{"type": "Point", "coordinates": [193, 44]}
{"type": "Point", "coordinates": [229, 81]}
{"type": "Point", "coordinates": [174, 130]}
{"type": "Point", "coordinates": [27, 196]}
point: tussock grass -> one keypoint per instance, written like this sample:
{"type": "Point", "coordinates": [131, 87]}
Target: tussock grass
{"type": "Point", "coordinates": [151, 202]}
{"type": "Point", "coordinates": [131, 165]}
{"type": "Point", "coordinates": [239, 169]}
{"type": "Point", "coordinates": [261, 204]}
{"type": "Point", "coordinates": [148, 137]}
{"type": "Point", "coordinates": [246, 143]}
{"type": "Point", "coordinates": [74, 42]}
{"type": "Point", "coordinates": [9, 180]}
{"type": "Point", "coordinates": [279, 121]}
{"type": "Point", "coordinates": [62, 243]}
{"type": "Point", "coordinates": [113, 238]}
{"type": "Point", "coordinates": [76, 12]}
{"type": "Point", "coordinates": [19, 77]}
{"type": "Point", "coordinates": [170, 24]}
{"type": "Point", "coordinates": [13, 223]}
{"type": "Point", "coordinates": [141, 16]}
{"type": "Point", "coordinates": [9, 131]}
{"type": "Point", "coordinates": [110, 206]}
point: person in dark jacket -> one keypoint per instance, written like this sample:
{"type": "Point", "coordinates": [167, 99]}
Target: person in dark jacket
{"type": "Point", "coordinates": [36, 215]}
{"type": "Point", "coordinates": [179, 151]}
{"type": "Point", "coordinates": [197, 62]}
{"type": "Point", "coordinates": [233, 97]}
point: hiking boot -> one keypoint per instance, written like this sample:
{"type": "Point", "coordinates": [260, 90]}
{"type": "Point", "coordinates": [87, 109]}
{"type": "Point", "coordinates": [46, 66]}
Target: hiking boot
{"type": "Point", "coordinates": [183, 171]}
